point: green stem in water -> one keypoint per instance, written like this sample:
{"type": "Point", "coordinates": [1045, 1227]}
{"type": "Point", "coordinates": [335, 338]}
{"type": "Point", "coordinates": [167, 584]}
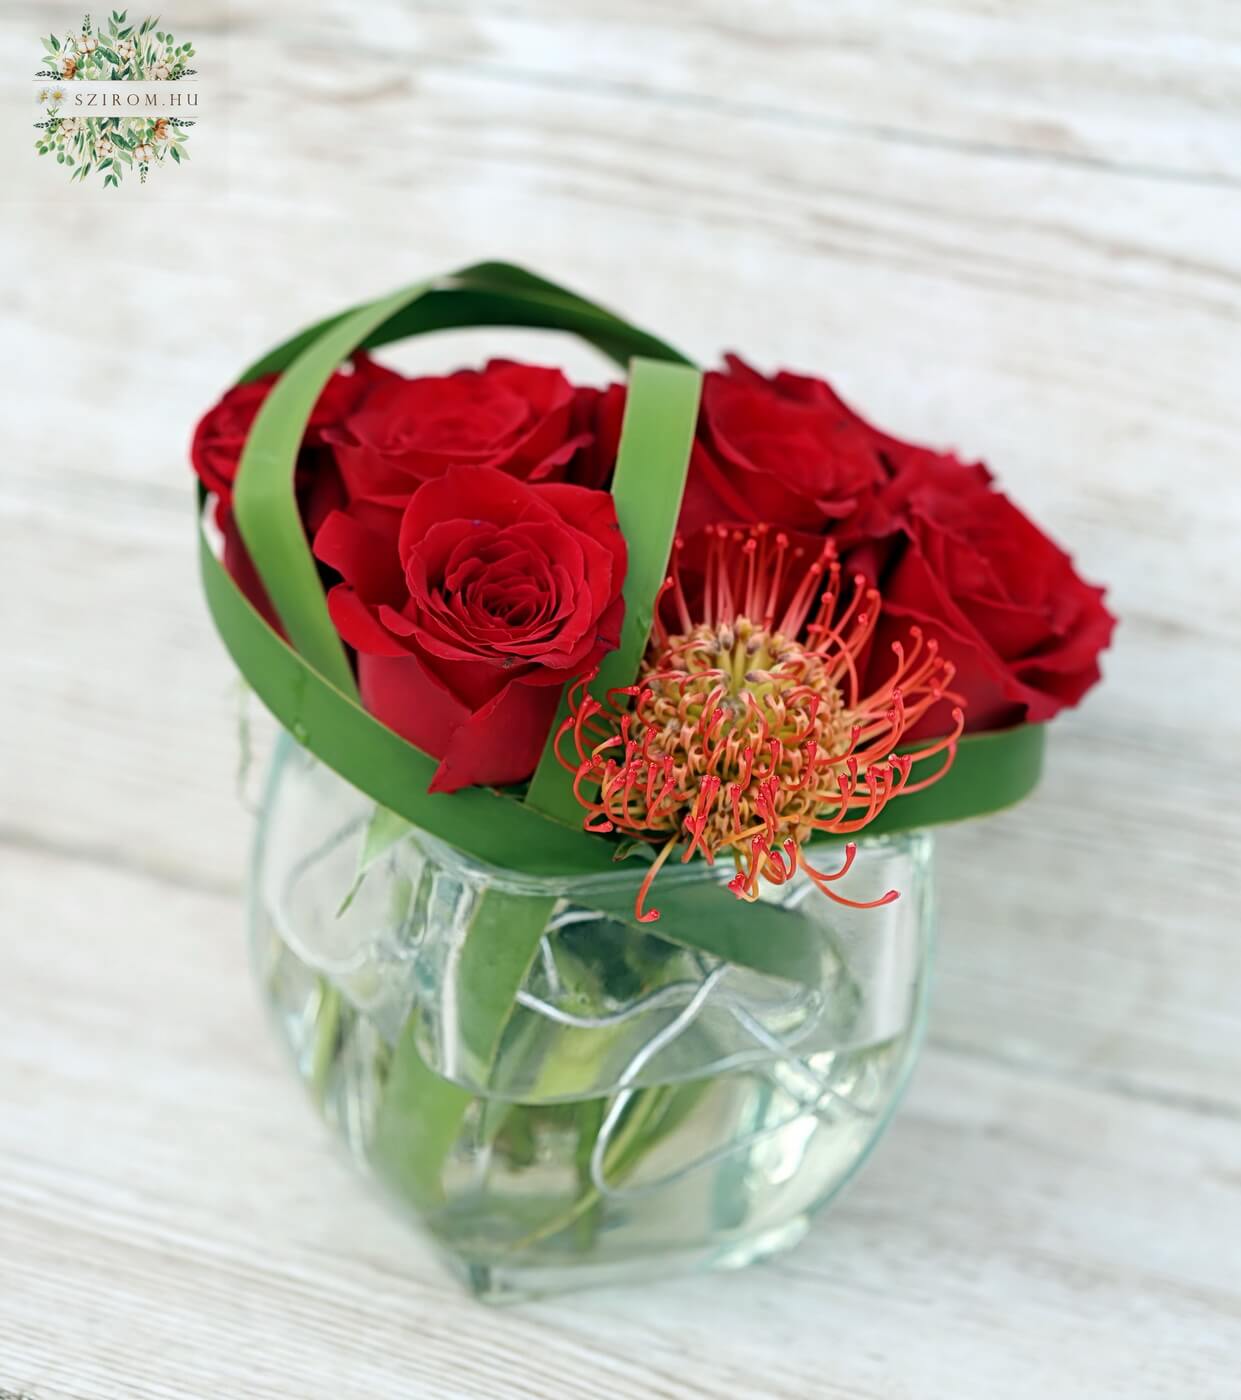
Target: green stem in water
{"type": "Point", "coordinates": [655, 1114]}
{"type": "Point", "coordinates": [590, 1116]}
{"type": "Point", "coordinates": [624, 1152]}
{"type": "Point", "coordinates": [327, 1037]}
{"type": "Point", "coordinates": [421, 1115]}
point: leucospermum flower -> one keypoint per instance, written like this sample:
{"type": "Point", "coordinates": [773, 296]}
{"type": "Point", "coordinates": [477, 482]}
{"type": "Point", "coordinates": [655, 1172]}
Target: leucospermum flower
{"type": "Point", "coordinates": [746, 732]}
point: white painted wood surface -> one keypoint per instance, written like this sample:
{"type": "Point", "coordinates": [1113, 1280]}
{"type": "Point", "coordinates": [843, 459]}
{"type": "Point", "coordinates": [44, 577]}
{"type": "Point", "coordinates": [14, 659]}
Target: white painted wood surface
{"type": "Point", "coordinates": [1013, 228]}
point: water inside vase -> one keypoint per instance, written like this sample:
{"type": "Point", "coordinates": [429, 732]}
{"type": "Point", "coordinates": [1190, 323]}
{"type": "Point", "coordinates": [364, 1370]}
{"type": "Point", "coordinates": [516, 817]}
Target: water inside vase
{"type": "Point", "coordinates": [706, 1169]}
{"type": "Point", "coordinates": [648, 1107]}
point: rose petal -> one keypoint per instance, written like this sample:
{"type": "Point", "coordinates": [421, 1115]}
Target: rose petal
{"type": "Point", "coordinates": [501, 742]}
{"type": "Point", "coordinates": [362, 557]}
{"type": "Point", "coordinates": [411, 700]}
{"type": "Point", "coordinates": [360, 624]}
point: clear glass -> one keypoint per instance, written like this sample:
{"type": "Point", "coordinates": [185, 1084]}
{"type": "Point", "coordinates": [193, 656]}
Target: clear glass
{"type": "Point", "coordinates": [645, 1101]}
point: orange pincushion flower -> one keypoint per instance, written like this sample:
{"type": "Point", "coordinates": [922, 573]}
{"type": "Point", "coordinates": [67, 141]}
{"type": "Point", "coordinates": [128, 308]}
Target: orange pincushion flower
{"type": "Point", "coordinates": [745, 731]}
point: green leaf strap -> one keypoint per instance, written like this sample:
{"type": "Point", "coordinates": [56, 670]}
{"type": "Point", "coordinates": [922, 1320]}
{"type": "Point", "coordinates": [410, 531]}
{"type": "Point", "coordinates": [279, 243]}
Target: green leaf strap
{"type": "Point", "coordinates": [265, 501]}
{"type": "Point", "coordinates": [661, 410]}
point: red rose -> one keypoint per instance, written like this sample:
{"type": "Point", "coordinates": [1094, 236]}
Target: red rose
{"type": "Point", "coordinates": [215, 454]}
{"type": "Point", "coordinates": [599, 413]}
{"type": "Point", "coordinates": [469, 618]}
{"type": "Point", "coordinates": [517, 418]}
{"type": "Point", "coordinates": [221, 432]}
{"type": "Point", "coordinates": [783, 450]}
{"type": "Point", "coordinates": [1009, 610]}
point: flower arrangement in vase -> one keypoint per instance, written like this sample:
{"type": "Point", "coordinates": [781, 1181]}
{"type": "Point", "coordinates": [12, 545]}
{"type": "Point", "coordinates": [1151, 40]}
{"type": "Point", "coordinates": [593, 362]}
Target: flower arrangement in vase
{"type": "Point", "coordinates": [592, 884]}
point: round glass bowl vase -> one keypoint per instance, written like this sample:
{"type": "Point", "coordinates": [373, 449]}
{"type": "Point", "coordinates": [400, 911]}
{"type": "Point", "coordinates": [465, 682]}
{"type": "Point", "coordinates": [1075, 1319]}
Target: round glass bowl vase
{"type": "Point", "coordinates": [557, 1094]}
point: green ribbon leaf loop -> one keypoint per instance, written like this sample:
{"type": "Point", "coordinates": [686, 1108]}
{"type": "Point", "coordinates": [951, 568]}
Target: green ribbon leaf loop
{"type": "Point", "coordinates": [657, 433]}
{"type": "Point", "coordinates": [264, 499]}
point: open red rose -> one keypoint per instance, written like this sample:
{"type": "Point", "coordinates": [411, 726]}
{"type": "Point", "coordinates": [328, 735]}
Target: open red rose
{"type": "Point", "coordinates": [221, 432]}
{"type": "Point", "coordinates": [471, 609]}
{"type": "Point", "coordinates": [220, 436]}
{"type": "Point", "coordinates": [784, 450]}
{"type": "Point", "coordinates": [517, 418]}
{"type": "Point", "coordinates": [956, 556]}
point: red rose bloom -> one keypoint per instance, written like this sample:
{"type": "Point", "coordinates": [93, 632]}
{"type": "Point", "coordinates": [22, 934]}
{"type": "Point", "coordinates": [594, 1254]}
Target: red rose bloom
{"type": "Point", "coordinates": [469, 618]}
{"type": "Point", "coordinates": [784, 450]}
{"type": "Point", "coordinates": [956, 556]}
{"type": "Point", "coordinates": [221, 432]}
{"type": "Point", "coordinates": [221, 435]}
{"type": "Point", "coordinates": [215, 454]}
{"type": "Point", "coordinates": [517, 418]}
{"type": "Point", "coordinates": [600, 413]}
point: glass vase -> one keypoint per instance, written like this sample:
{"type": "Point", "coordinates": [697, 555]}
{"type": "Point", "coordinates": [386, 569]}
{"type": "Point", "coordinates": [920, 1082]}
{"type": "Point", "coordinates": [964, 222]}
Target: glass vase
{"type": "Point", "coordinates": [646, 1098]}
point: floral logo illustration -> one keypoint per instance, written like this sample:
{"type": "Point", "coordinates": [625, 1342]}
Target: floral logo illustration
{"type": "Point", "coordinates": [111, 145]}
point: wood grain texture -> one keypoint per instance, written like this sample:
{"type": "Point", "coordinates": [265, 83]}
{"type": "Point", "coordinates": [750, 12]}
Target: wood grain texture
{"type": "Point", "coordinates": [1015, 229]}
{"type": "Point", "coordinates": [176, 1223]}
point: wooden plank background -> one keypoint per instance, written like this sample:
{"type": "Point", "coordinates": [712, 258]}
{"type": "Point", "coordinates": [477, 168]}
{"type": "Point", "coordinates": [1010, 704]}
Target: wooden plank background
{"type": "Point", "coordinates": [1015, 229]}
